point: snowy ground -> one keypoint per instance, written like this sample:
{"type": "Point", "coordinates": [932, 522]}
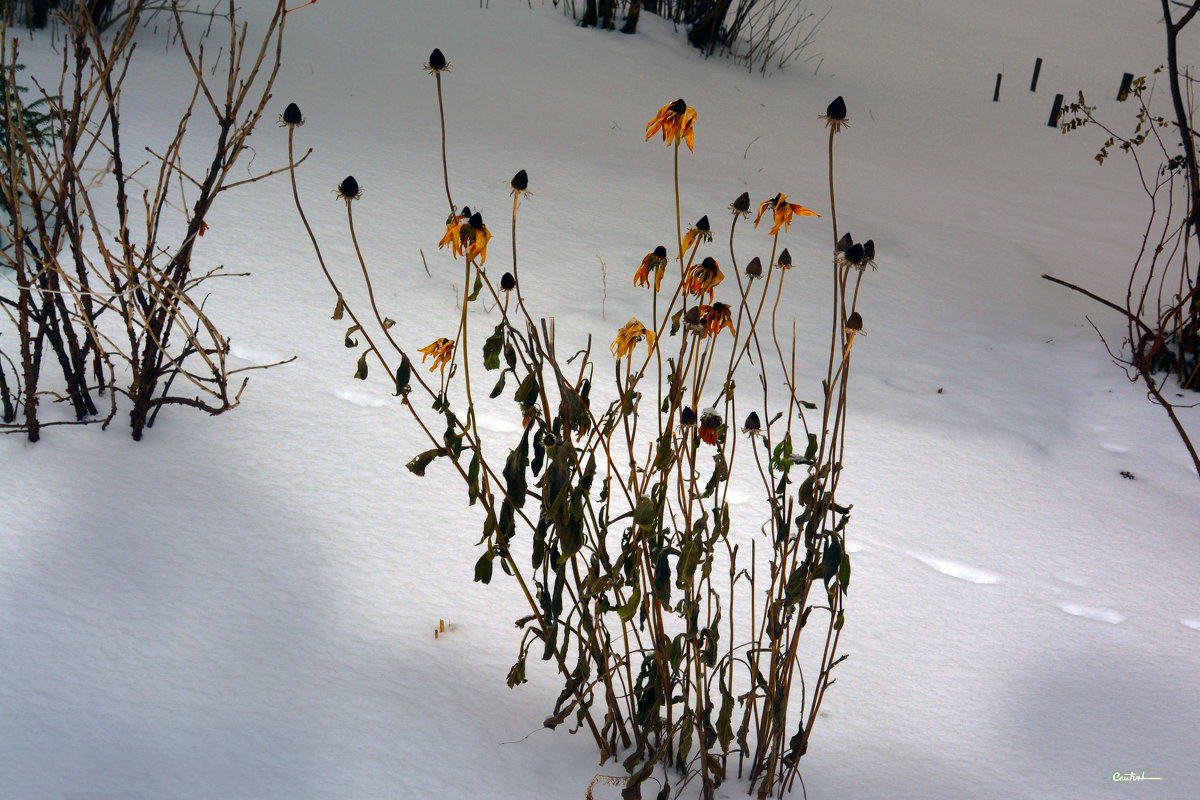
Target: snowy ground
{"type": "Point", "coordinates": [244, 607]}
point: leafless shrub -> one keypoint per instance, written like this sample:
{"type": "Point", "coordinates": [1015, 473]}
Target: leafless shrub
{"type": "Point", "coordinates": [98, 266]}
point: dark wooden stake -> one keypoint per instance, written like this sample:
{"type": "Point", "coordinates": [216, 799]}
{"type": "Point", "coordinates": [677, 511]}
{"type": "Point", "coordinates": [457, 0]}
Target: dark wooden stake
{"type": "Point", "coordinates": [996, 95]}
{"type": "Point", "coordinates": [1055, 111]}
{"type": "Point", "coordinates": [1037, 68]}
{"type": "Point", "coordinates": [1126, 83]}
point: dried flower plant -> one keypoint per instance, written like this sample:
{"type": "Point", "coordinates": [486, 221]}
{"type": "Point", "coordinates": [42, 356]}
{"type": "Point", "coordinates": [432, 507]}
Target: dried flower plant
{"type": "Point", "coordinates": [674, 627]}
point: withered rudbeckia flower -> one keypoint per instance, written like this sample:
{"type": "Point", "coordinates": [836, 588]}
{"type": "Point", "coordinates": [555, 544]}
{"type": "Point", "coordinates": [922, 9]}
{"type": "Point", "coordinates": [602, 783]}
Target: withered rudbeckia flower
{"type": "Point", "coordinates": [784, 211]}
{"type": "Point", "coordinates": [348, 189]}
{"type": "Point", "coordinates": [507, 282]}
{"type": "Point", "coordinates": [437, 63]}
{"type": "Point", "coordinates": [691, 320]}
{"type": "Point", "coordinates": [716, 318]}
{"type": "Point", "coordinates": [454, 237]}
{"type": "Point", "coordinates": [741, 205]}
{"type": "Point", "coordinates": [629, 335]}
{"type": "Point", "coordinates": [441, 350]}
{"type": "Point", "coordinates": [676, 121]}
{"type": "Point", "coordinates": [835, 115]}
{"type": "Point", "coordinates": [843, 244]}
{"type": "Point", "coordinates": [853, 327]}
{"type": "Point", "coordinates": [869, 253]}
{"type": "Point", "coordinates": [754, 268]}
{"type": "Point", "coordinates": [703, 277]}
{"type": "Point", "coordinates": [479, 236]}
{"type": "Point", "coordinates": [856, 256]}
{"type": "Point", "coordinates": [701, 231]}
{"type": "Point", "coordinates": [710, 426]}
{"type": "Point", "coordinates": [854, 324]}
{"type": "Point", "coordinates": [752, 427]}
{"type": "Point", "coordinates": [519, 184]}
{"type": "Point", "coordinates": [687, 418]}
{"type": "Point", "coordinates": [291, 116]}
{"type": "Point", "coordinates": [655, 263]}
{"type": "Point", "coordinates": [785, 260]}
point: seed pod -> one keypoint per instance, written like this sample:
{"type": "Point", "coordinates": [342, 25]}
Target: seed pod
{"type": "Point", "coordinates": [476, 221]}
{"type": "Point", "coordinates": [678, 107]}
{"type": "Point", "coordinates": [742, 204]}
{"type": "Point", "coordinates": [292, 115]}
{"type": "Point", "coordinates": [508, 282]}
{"type": "Point", "coordinates": [520, 181]}
{"type": "Point", "coordinates": [702, 224]}
{"type": "Point", "coordinates": [709, 263]}
{"type": "Point", "coordinates": [869, 250]}
{"type": "Point", "coordinates": [687, 417]}
{"type": "Point", "coordinates": [843, 243]}
{"type": "Point", "coordinates": [660, 251]}
{"type": "Point", "coordinates": [785, 258]}
{"type": "Point", "coordinates": [691, 317]}
{"type": "Point", "coordinates": [348, 188]}
{"type": "Point", "coordinates": [752, 425]}
{"type": "Point", "coordinates": [854, 323]}
{"type": "Point", "coordinates": [549, 439]}
{"type": "Point", "coordinates": [837, 109]}
{"type": "Point", "coordinates": [437, 61]}
{"type": "Point", "coordinates": [466, 212]}
{"type": "Point", "coordinates": [754, 268]}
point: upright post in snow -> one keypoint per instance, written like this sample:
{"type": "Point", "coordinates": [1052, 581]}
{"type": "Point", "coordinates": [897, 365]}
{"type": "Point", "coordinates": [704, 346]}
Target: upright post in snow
{"type": "Point", "coordinates": [996, 94]}
{"type": "Point", "coordinates": [1126, 83]}
{"type": "Point", "coordinates": [1037, 68]}
{"type": "Point", "coordinates": [1055, 111]}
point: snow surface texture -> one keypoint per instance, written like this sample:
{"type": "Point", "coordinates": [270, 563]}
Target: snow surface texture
{"type": "Point", "coordinates": [244, 607]}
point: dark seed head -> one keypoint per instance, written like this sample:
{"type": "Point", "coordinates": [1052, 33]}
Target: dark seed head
{"type": "Point", "coordinates": [854, 323]}
{"type": "Point", "coordinates": [466, 211]}
{"type": "Point", "coordinates": [348, 188]}
{"type": "Point", "coordinates": [678, 107]}
{"type": "Point", "coordinates": [549, 440]}
{"type": "Point", "coordinates": [754, 268]}
{"type": "Point", "coordinates": [869, 250]}
{"type": "Point", "coordinates": [702, 224]}
{"type": "Point", "coordinates": [836, 109]}
{"type": "Point", "coordinates": [692, 316]}
{"type": "Point", "coordinates": [687, 417]}
{"type": "Point", "coordinates": [660, 251]}
{"type": "Point", "coordinates": [292, 115]}
{"type": "Point", "coordinates": [785, 258]}
{"type": "Point", "coordinates": [476, 221]}
{"type": "Point", "coordinates": [752, 424]}
{"type": "Point", "coordinates": [742, 204]}
{"type": "Point", "coordinates": [854, 253]}
{"type": "Point", "coordinates": [437, 61]}
{"type": "Point", "coordinates": [709, 263]}
{"type": "Point", "coordinates": [520, 181]}
{"type": "Point", "coordinates": [776, 200]}
{"type": "Point", "coordinates": [508, 282]}
{"type": "Point", "coordinates": [843, 244]}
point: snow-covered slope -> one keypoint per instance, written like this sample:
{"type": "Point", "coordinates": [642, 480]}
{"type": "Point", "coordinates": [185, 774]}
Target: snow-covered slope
{"type": "Point", "coordinates": [244, 607]}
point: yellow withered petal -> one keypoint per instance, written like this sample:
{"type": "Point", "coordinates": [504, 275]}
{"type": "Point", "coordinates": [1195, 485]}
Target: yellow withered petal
{"type": "Point", "coordinates": [629, 335]}
{"type": "Point", "coordinates": [442, 350]}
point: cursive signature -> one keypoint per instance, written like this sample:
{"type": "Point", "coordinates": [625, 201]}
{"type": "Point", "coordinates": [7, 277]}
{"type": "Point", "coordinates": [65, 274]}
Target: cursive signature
{"type": "Point", "coordinates": [1125, 777]}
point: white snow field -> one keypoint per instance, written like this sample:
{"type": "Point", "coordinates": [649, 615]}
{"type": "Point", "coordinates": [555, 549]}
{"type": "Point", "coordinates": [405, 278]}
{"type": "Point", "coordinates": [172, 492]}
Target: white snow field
{"type": "Point", "coordinates": [244, 607]}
